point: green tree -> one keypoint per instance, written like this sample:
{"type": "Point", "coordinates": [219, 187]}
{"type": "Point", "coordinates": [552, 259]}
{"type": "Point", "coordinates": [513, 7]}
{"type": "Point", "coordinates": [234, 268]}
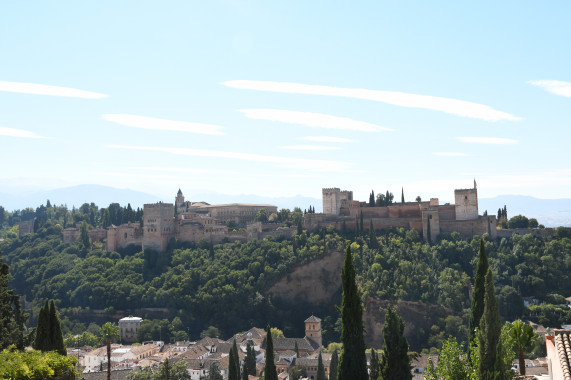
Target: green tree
{"type": "Point", "coordinates": [452, 363]}
{"type": "Point", "coordinates": [372, 199]}
{"type": "Point", "coordinates": [214, 372]}
{"type": "Point", "coordinates": [374, 365]}
{"type": "Point", "coordinates": [84, 236]}
{"type": "Point", "coordinates": [418, 199]}
{"type": "Point", "coordinates": [270, 372]}
{"type": "Point", "coordinates": [394, 363]}
{"type": "Point", "coordinates": [297, 371]}
{"type": "Point", "coordinates": [245, 371]}
{"type": "Point", "coordinates": [233, 373]}
{"type": "Point", "coordinates": [211, 332]}
{"type": "Point", "coordinates": [43, 337]}
{"type": "Point", "coordinates": [518, 221]}
{"type": "Point", "coordinates": [250, 359]}
{"type": "Point", "coordinates": [353, 362]}
{"type": "Point", "coordinates": [333, 366]}
{"type": "Point", "coordinates": [11, 316]}
{"type": "Point", "coordinates": [109, 332]}
{"type": "Point", "coordinates": [477, 308]}
{"type": "Point", "coordinates": [56, 336]}
{"type": "Point", "coordinates": [524, 338]}
{"type": "Point", "coordinates": [262, 216]}
{"type": "Point", "coordinates": [490, 365]}
{"type": "Point", "coordinates": [402, 195]}
{"type": "Point", "coordinates": [296, 349]}
{"type": "Point", "coordinates": [320, 368]}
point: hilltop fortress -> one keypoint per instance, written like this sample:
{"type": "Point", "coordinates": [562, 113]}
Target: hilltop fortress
{"type": "Point", "coordinates": [192, 221]}
{"type": "Point", "coordinates": [428, 218]}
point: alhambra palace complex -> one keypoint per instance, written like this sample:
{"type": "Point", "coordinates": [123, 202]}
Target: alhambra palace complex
{"type": "Point", "coordinates": [194, 221]}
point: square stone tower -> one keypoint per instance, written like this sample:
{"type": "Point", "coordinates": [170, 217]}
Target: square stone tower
{"type": "Point", "coordinates": [158, 225]}
{"type": "Point", "coordinates": [313, 330]}
{"type": "Point", "coordinates": [466, 204]}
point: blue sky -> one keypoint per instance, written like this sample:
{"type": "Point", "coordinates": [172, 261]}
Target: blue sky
{"type": "Point", "coordinates": [283, 98]}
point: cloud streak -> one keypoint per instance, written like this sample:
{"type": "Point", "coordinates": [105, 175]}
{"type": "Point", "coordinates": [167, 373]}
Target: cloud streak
{"type": "Point", "coordinates": [20, 133]}
{"type": "Point", "coordinates": [311, 119]}
{"type": "Point", "coordinates": [402, 99]}
{"type": "Point", "coordinates": [309, 147]}
{"type": "Point", "coordinates": [450, 154]}
{"type": "Point", "coordinates": [487, 140]}
{"type": "Point", "coordinates": [329, 139]}
{"type": "Point", "coordinates": [43, 89]}
{"type": "Point", "coordinates": [289, 162]}
{"type": "Point", "coordinates": [556, 87]}
{"type": "Point", "coordinates": [156, 124]}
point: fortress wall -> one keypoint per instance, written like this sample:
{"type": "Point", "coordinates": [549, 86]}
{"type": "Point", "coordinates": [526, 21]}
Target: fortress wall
{"type": "Point", "coordinates": [190, 232]}
{"type": "Point", "coordinates": [404, 210]}
{"type": "Point", "coordinates": [469, 228]}
{"type": "Point", "coordinates": [447, 212]}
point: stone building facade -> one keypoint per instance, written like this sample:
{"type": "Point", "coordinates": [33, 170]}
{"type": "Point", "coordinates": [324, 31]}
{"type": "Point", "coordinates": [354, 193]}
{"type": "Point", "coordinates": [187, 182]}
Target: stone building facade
{"type": "Point", "coordinates": [428, 218]}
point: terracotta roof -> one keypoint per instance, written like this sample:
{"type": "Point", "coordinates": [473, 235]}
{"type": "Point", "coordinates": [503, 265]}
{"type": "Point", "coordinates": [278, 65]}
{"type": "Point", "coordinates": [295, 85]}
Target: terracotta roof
{"type": "Point", "coordinates": [563, 346]}
{"type": "Point", "coordinates": [283, 344]}
{"type": "Point", "coordinates": [313, 319]}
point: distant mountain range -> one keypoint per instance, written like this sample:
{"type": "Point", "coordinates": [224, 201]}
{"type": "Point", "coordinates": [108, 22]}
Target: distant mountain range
{"type": "Point", "coordinates": [550, 212]}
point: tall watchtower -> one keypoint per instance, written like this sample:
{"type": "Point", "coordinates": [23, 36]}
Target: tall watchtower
{"type": "Point", "coordinates": [313, 330]}
{"type": "Point", "coordinates": [466, 204]}
{"type": "Point", "coordinates": [158, 225]}
{"type": "Point", "coordinates": [179, 201]}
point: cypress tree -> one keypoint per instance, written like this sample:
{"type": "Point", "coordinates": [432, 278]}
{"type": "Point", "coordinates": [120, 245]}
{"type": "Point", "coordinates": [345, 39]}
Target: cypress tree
{"type": "Point", "coordinates": [42, 341]}
{"type": "Point", "coordinates": [296, 349]}
{"type": "Point", "coordinates": [11, 316]}
{"type": "Point", "coordinates": [477, 308]}
{"type": "Point", "coordinates": [490, 365]}
{"type": "Point", "coordinates": [361, 223]}
{"type": "Point", "coordinates": [245, 371]}
{"type": "Point", "coordinates": [236, 357]}
{"type": "Point", "coordinates": [353, 362]}
{"type": "Point", "coordinates": [372, 199]}
{"type": "Point", "coordinates": [232, 370]}
{"type": "Point", "coordinates": [320, 368]}
{"type": "Point", "coordinates": [374, 366]}
{"type": "Point", "coordinates": [251, 359]}
{"type": "Point", "coordinates": [402, 195]}
{"type": "Point", "coordinates": [270, 372]}
{"type": "Point", "coordinates": [56, 336]}
{"type": "Point", "coordinates": [372, 237]}
{"type": "Point", "coordinates": [394, 363]}
{"type": "Point", "coordinates": [333, 365]}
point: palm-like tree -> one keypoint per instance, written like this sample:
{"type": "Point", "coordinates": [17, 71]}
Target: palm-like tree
{"type": "Point", "coordinates": [524, 338]}
{"type": "Point", "coordinates": [109, 332]}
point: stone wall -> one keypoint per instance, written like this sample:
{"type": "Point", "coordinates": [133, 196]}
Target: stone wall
{"type": "Point", "coordinates": [331, 201]}
{"type": "Point", "coordinates": [26, 227]}
{"type": "Point", "coordinates": [469, 228]}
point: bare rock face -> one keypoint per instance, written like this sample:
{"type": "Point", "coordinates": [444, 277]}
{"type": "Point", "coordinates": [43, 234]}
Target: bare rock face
{"type": "Point", "coordinates": [315, 282]}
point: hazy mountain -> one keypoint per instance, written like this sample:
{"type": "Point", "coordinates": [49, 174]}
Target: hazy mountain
{"type": "Point", "coordinates": [76, 196]}
{"type": "Point", "coordinates": [549, 212]}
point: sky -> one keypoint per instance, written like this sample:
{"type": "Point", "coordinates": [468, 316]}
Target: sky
{"type": "Point", "coordinates": [284, 98]}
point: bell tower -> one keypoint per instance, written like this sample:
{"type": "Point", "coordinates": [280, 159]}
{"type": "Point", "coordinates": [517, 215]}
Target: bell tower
{"type": "Point", "coordinates": [313, 329]}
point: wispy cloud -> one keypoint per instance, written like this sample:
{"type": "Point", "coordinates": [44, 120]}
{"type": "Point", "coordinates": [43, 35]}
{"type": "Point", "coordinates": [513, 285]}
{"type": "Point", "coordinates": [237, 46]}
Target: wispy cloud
{"type": "Point", "coordinates": [451, 106]}
{"type": "Point", "coordinates": [556, 87]}
{"type": "Point", "coordinates": [138, 175]}
{"type": "Point", "coordinates": [450, 154]}
{"type": "Point", "coordinates": [183, 170]}
{"type": "Point", "coordinates": [487, 140]}
{"type": "Point", "coordinates": [311, 119]}
{"type": "Point", "coordinates": [330, 139]}
{"type": "Point", "coordinates": [309, 147]}
{"type": "Point", "coordinates": [43, 89]}
{"type": "Point", "coordinates": [20, 133]}
{"type": "Point", "coordinates": [289, 162]}
{"type": "Point", "coordinates": [144, 122]}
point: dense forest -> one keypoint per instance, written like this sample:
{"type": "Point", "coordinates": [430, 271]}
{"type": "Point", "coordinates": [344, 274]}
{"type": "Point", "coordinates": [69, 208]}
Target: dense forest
{"type": "Point", "coordinates": [192, 287]}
